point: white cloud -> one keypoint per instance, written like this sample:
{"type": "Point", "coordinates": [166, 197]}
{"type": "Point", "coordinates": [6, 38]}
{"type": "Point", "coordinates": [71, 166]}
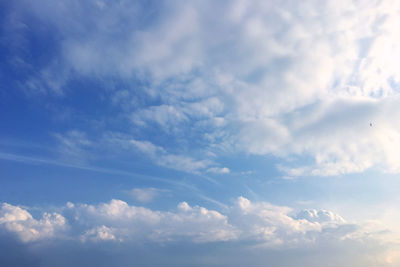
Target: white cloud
{"type": "Point", "coordinates": [271, 224]}
{"type": "Point", "coordinates": [73, 146]}
{"type": "Point", "coordinates": [145, 194]}
{"type": "Point", "coordinates": [131, 223]}
{"type": "Point", "coordinates": [20, 222]}
{"type": "Point", "coordinates": [147, 148]}
{"type": "Point", "coordinates": [164, 115]}
{"type": "Point", "coordinates": [100, 233]}
{"type": "Point", "coordinates": [163, 158]}
{"type": "Point", "coordinates": [218, 170]}
{"type": "Point", "coordinates": [261, 222]}
{"type": "Point", "coordinates": [245, 226]}
{"type": "Point", "coordinates": [171, 116]}
{"type": "Point", "coordinates": [262, 77]}
{"type": "Point", "coordinates": [340, 139]}
{"type": "Point", "coordinates": [321, 216]}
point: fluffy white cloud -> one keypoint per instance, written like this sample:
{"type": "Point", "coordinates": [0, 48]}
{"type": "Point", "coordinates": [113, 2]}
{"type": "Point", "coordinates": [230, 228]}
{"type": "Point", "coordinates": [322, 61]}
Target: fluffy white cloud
{"type": "Point", "coordinates": [132, 223]}
{"type": "Point", "coordinates": [273, 225]}
{"type": "Point", "coordinates": [116, 221]}
{"type": "Point", "coordinates": [19, 221]}
{"type": "Point", "coordinates": [99, 233]}
{"type": "Point", "coordinates": [257, 227]}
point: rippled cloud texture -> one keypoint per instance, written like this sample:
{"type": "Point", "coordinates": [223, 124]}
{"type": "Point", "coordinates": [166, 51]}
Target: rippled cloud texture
{"type": "Point", "coordinates": [265, 77]}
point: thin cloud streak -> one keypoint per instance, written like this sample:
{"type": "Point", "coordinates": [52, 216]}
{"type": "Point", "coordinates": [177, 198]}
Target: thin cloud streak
{"type": "Point", "coordinates": [35, 161]}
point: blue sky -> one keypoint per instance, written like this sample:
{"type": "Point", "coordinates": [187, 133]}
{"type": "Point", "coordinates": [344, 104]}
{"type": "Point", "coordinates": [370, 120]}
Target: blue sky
{"type": "Point", "coordinates": [199, 133]}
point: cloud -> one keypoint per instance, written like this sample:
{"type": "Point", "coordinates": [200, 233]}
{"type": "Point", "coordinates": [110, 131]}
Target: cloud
{"type": "Point", "coordinates": [117, 221]}
{"type": "Point", "coordinates": [73, 146]}
{"type": "Point", "coordinates": [257, 231]}
{"type": "Point", "coordinates": [145, 194]}
{"type": "Point", "coordinates": [165, 159]}
{"type": "Point", "coordinates": [261, 78]}
{"type": "Point", "coordinates": [273, 226]}
{"type": "Point", "coordinates": [147, 148]}
{"type": "Point", "coordinates": [217, 170]}
{"type": "Point", "coordinates": [20, 222]}
{"type": "Point", "coordinates": [341, 140]}
{"type": "Point", "coordinates": [168, 117]}
{"type": "Point", "coordinates": [100, 233]}
{"type": "Point", "coordinates": [321, 216]}
{"type": "Point", "coordinates": [131, 223]}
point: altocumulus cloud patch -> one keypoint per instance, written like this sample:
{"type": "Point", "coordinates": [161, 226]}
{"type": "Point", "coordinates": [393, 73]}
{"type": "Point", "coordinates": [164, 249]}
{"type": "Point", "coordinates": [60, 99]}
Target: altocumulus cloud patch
{"type": "Point", "coordinates": [265, 78]}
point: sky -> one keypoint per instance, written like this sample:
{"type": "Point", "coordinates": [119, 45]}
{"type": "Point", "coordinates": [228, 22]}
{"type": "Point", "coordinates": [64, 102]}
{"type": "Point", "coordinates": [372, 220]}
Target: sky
{"type": "Point", "coordinates": [199, 133]}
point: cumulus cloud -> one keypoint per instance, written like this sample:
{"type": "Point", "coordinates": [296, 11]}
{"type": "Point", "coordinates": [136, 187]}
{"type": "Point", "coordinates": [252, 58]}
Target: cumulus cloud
{"type": "Point", "coordinates": [320, 216]}
{"type": "Point", "coordinates": [273, 226]}
{"type": "Point", "coordinates": [132, 223]}
{"type": "Point", "coordinates": [246, 226]}
{"type": "Point", "coordinates": [20, 222]}
{"type": "Point", "coordinates": [117, 221]}
{"type": "Point", "coordinates": [99, 233]}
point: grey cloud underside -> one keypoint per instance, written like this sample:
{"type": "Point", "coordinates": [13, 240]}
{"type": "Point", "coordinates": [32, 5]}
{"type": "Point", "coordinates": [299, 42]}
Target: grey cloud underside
{"type": "Point", "coordinates": [287, 78]}
{"type": "Point", "coordinates": [181, 254]}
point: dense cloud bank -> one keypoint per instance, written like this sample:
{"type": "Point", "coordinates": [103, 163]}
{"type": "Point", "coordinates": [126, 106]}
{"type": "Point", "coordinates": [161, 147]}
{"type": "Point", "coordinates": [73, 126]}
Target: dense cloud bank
{"type": "Point", "coordinates": [117, 221]}
{"type": "Point", "coordinates": [107, 231]}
